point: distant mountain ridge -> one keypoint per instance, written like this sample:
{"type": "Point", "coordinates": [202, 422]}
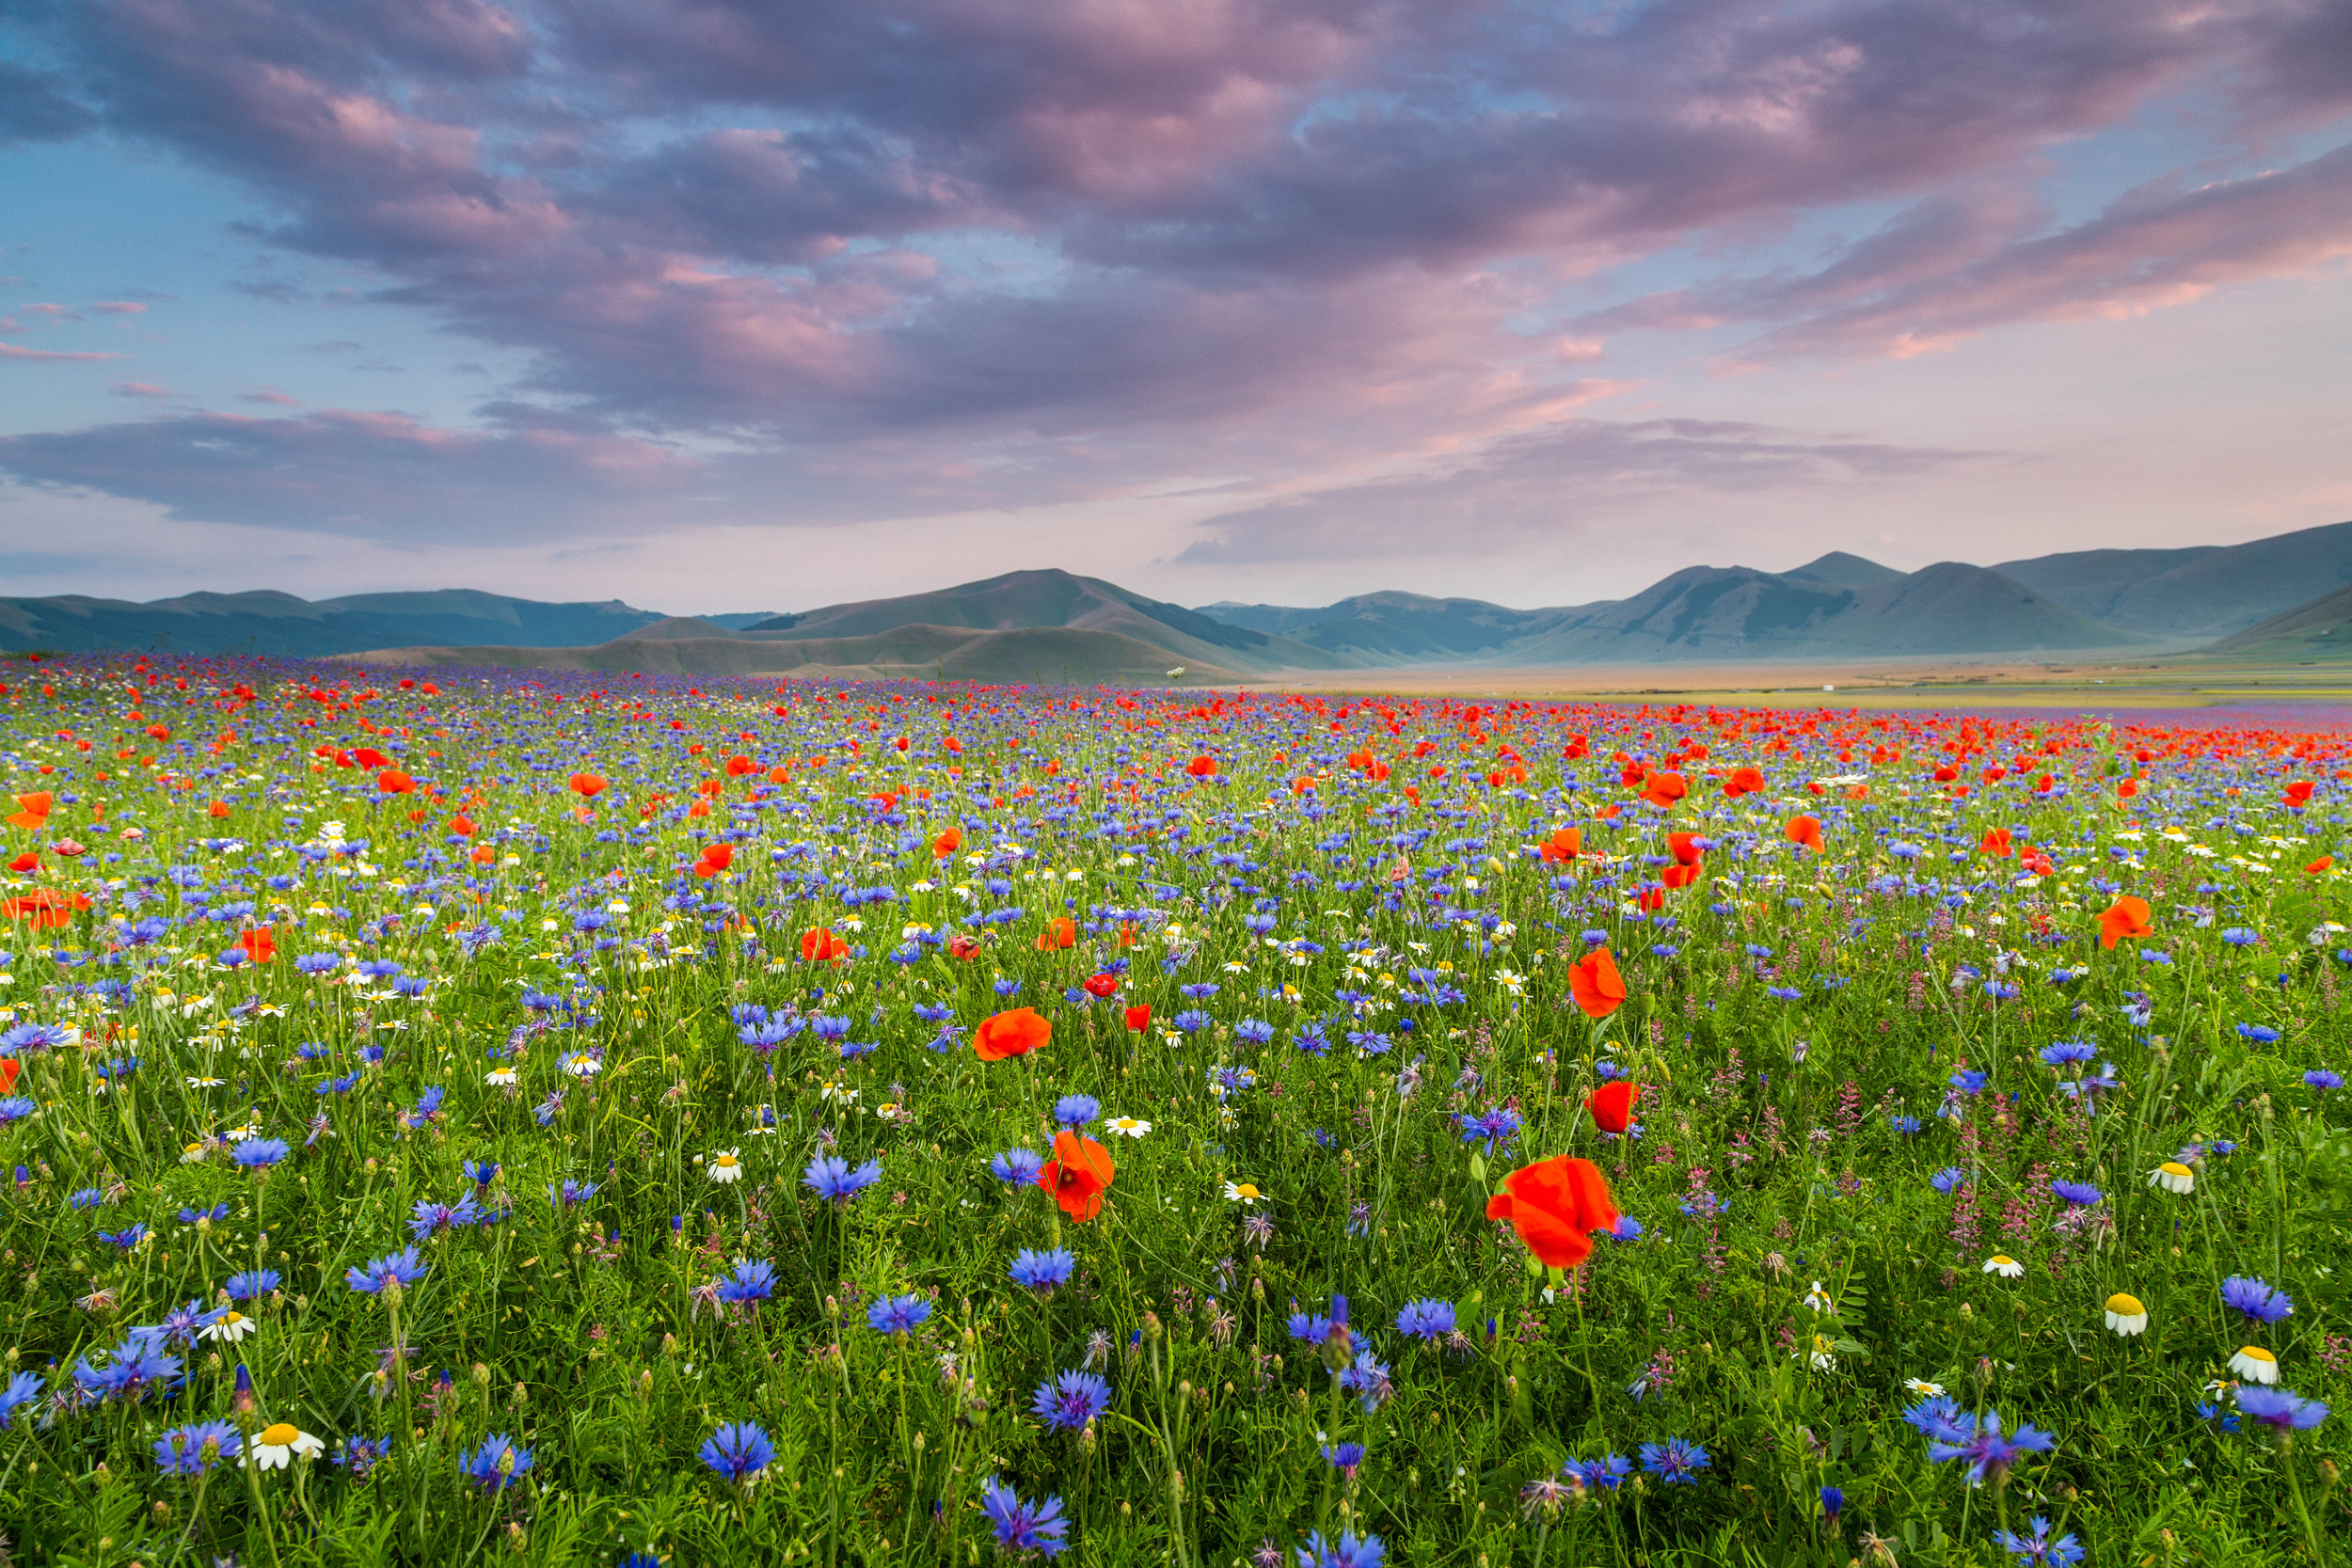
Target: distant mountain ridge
{"type": "Point", "coordinates": [1047, 624]}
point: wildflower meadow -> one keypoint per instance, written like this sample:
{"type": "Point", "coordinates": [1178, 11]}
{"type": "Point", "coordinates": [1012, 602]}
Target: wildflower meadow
{"type": "Point", "coordinates": [481, 1117]}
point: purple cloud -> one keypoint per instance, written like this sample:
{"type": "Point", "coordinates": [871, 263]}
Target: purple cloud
{"type": "Point", "coordinates": [1547, 487]}
{"type": "Point", "coordinates": [376, 476]}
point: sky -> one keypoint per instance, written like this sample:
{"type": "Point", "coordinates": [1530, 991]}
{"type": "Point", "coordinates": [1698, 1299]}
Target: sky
{"type": "Point", "coordinates": [729, 306]}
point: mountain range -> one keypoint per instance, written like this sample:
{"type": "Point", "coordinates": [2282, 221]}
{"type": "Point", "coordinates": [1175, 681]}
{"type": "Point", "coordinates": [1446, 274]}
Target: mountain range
{"type": "Point", "coordinates": [2288, 595]}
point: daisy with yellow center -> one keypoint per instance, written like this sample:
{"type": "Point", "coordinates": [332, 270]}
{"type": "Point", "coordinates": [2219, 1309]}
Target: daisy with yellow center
{"type": "Point", "coordinates": [582, 1065]}
{"type": "Point", "coordinates": [2255, 1365]}
{"type": "Point", "coordinates": [1128, 1127]}
{"type": "Point", "coordinates": [274, 1446]}
{"type": "Point", "coordinates": [2173, 1177]}
{"type": "Point", "coordinates": [2126, 1315]}
{"type": "Point", "coordinates": [725, 1168]}
{"type": "Point", "coordinates": [2004, 1265]}
{"type": "Point", "coordinates": [230, 1325]}
{"type": "Point", "coordinates": [1242, 1192]}
{"type": "Point", "coordinates": [1922, 1387]}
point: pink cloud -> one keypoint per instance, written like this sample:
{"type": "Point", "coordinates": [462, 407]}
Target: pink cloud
{"type": "Point", "coordinates": [13, 350]}
{"type": "Point", "coordinates": [120, 307]}
{"type": "Point", "coordinates": [138, 389]}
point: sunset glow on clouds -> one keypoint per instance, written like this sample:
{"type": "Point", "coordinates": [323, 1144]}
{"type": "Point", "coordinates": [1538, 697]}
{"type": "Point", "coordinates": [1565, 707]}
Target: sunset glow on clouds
{"type": "Point", "coordinates": [1220, 299]}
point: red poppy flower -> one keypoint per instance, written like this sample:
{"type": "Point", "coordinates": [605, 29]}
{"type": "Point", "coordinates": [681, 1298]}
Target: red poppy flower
{"type": "Point", "coordinates": [1057, 934]}
{"type": "Point", "coordinates": [28, 860]}
{"type": "Point", "coordinates": [1611, 1104]}
{"type": "Point", "coordinates": [2299, 794]}
{"type": "Point", "coordinates": [47, 910]}
{"type": "Point", "coordinates": [2320, 866]}
{"type": "Point", "coordinates": [963, 947]}
{"type": "Point", "coordinates": [1013, 1034]}
{"type": "Point", "coordinates": [714, 859]}
{"type": "Point", "coordinates": [1685, 848]}
{"type": "Point", "coordinates": [7, 1073]}
{"type": "Point", "coordinates": [1743, 780]}
{"type": "Point", "coordinates": [946, 844]}
{"type": "Point", "coordinates": [32, 812]}
{"type": "Point", "coordinates": [2126, 917]}
{"type": "Point", "coordinates": [822, 946]}
{"type": "Point", "coordinates": [1565, 845]}
{"type": "Point", "coordinates": [1593, 982]}
{"type": "Point", "coordinates": [586, 785]}
{"type": "Point", "coordinates": [1139, 1017]}
{"type": "Point", "coordinates": [258, 945]}
{"type": "Point", "coordinates": [395, 782]}
{"type": "Point", "coordinates": [1102, 986]}
{"type": "Point", "coordinates": [1995, 842]}
{"type": "Point", "coordinates": [1555, 1206]}
{"type": "Point", "coordinates": [1804, 832]}
{"type": "Point", "coordinates": [1202, 767]}
{"type": "Point", "coordinates": [1664, 789]}
{"type": "Point", "coordinates": [462, 825]}
{"type": "Point", "coordinates": [1077, 1176]}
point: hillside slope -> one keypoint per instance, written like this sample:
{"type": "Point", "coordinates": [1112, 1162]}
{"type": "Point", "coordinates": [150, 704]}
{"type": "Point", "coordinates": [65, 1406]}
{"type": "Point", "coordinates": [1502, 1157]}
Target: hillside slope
{"type": "Point", "coordinates": [2191, 595]}
{"type": "Point", "coordinates": [272, 623]}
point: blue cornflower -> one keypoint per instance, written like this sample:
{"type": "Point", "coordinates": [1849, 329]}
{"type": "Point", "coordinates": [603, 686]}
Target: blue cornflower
{"type": "Point", "coordinates": [830, 1177]}
{"type": "Point", "coordinates": [2214, 1415]}
{"type": "Point", "coordinates": [1901, 1123]}
{"type": "Point", "coordinates": [1678, 1461]}
{"type": "Point", "coordinates": [15, 1108]}
{"type": "Point", "coordinates": [1950, 1179]}
{"type": "Point", "coordinates": [429, 1219]}
{"type": "Point", "coordinates": [2067, 1052]}
{"type": "Point", "coordinates": [498, 1464]}
{"type": "Point", "coordinates": [898, 1315]}
{"type": "Point", "coordinates": [1605, 1474]}
{"type": "Point", "coordinates": [571, 1192]}
{"type": "Point", "coordinates": [480, 1172]}
{"type": "Point", "coordinates": [1833, 1503]}
{"type": "Point", "coordinates": [126, 1238]}
{"type": "Point", "coordinates": [752, 1281]}
{"type": "Point", "coordinates": [135, 1369]}
{"type": "Point", "coordinates": [1969, 1082]}
{"type": "Point", "coordinates": [1425, 1320]}
{"type": "Point", "coordinates": [738, 1450]}
{"type": "Point", "coordinates": [1017, 1167]}
{"type": "Point", "coordinates": [1311, 1330]}
{"type": "Point", "coordinates": [394, 1271]}
{"type": "Point", "coordinates": [1043, 1271]}
{"type": "Point", "coordinates": [260, 1153]}
{"type": "Point", "coordinates": [194, 1449]}
{"type": "Point", "coordinates": [180, 1325]}
{"type": "Point", "coordinates": [1368, 1376]}
{"type": "Point", "coordinates": [2281, 1408]}
{"type": "Point", "coordinates": [2078, 1194]}
{"type": "Point", "coordinates": [1076, 1110]}
{"type": "Point", "coordinates": [20, 1390]}
{"type": "Point", "coordinates": [1024, 1527]}
{"type": "Point", "coordinates": [1071, 1400]}
{"type": "Point", "coordinates": [216, 1213]}
{"type": "Point", "coordinates": [2036, 1547]}
{"type": "Point", "coordinates": [2322, 1080]}
{"type": "Point", "coordinates": [1346, 1458]}
{"type": "Point", "coordinates": [1941, 1420]}
{"type": "Point", "coordinates": [2255, 1301]}
{"type": "Point", "coordinates": [1349, 1551]}
{"type": "Point", "coordinates": [1253, 1030]}
{"type": "Point", "coordinates": [247, 1283]}
{"type": "Point", "coordinates": [2260, 1033]}
{"type": "Point", "coordinates": [1189, 1021]}
{"type": "Point", "coordinates": [2238, 936]}
{"type": "Point", "coordinates": [1495, 1127]}
{"type": "Point", "coordinates": [1987, 1451]}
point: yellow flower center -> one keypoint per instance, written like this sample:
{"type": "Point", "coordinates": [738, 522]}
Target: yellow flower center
{"type": "Point", "coordinates": [2255, 1353]}
{"type": "Point", "coordinates": [2003, 1259]}
{"type": "Point", "coordinates": [2123, 1306]}
{"type": "Point", "coordinates": [1246, 1190]}
{"type": "Point", "coordinates": [725, 1161]}
{"type": "Point", "coordinates": [2173, 1168]}
{"type": "Point", "coordinates": [232, 1320]}
{"type": "Point", "coordinates": [278, 1435]}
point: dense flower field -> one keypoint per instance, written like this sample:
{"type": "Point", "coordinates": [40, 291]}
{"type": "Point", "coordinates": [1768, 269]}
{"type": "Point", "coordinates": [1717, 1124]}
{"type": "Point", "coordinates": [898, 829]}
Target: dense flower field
{"type": "Point", "coordinates": [599, 1119]}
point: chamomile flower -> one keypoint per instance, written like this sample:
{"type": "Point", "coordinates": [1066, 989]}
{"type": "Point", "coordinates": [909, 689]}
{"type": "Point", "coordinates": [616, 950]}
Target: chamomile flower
{"type": "Point", "coordinates": [582, 1063]}
{"type": "Point", "coordinates": [2173, 1177]}
{"type": "Point", "coordinates": [725, 1166]}
{"type": "Point", "coordinates": [1243, 1193]}
{"type": "Point", "coordinates": [2126, 1315]}
{"type": "Point", "coordinates": [2004, 1265]}
{"type": "Point", "coordinates": [503, 1077]}
{"type": "Point", "coordinates": [1922, 1387]}
{"type": "Point", "coordinates": [230, 1326]}
{"type": "Point", "coordinates": [275, 1447]}
{"type": "Point", "coordinates": [2255, 1365]}
{"type": "Point", "coordinates": [1127, 1126]}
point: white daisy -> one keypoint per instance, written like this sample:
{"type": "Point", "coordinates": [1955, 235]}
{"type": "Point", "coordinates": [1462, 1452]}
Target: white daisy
{"type": "Point", "coordinates": [274, 1446]}
{"type": "Point", "coordinates": [1243, 1193]}
{"type": "Point", "coordinates": [2173, 1177]}
{"type": "Point", "coordinates": [1128, 1127]}
{"type": "Point", "coordinates": [2004, 1265]}
{"type": "Point", "coordinates": [725, 1168]}
{"type": "Point", "coordinates": [230, 1325]}
{"type": "Point", "coordinates": [2255, 1365]}
{"type": "Point", "coordinates": [2126, 1315]}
